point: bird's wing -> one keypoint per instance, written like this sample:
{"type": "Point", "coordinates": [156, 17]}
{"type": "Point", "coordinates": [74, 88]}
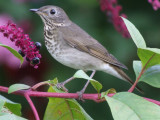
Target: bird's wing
{"type": "Point", "coordinates": [79, 39]}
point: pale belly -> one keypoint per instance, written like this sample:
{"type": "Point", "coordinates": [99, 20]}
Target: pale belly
{"type": "Point", "coordinates": [76, 59]}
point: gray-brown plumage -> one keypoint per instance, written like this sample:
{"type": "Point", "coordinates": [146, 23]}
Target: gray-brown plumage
{"type": "Point", "coordinates": [73, 47]}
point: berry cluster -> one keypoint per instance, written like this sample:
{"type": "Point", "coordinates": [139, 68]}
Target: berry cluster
{"type": "Point", "coordinates": [27, 48]}
{"type": "Point", "coordinates": [113, 10]}
{"type": "Point", "coordinates": [155, 4]}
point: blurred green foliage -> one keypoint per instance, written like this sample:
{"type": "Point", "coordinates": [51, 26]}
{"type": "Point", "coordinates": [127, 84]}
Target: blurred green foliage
{"type": "Point", "coordinates": [87, 14]}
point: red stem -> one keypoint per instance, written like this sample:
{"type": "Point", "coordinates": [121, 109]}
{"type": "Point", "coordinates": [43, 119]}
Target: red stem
{"type": "Point", "coordinates": [141, 73]}
{"type": "Point", "coordinates": [135, 83]}
{"type": "Point", "coordinates": [94, 97]}
{"type": "Point", "coordinates": [31, 105]}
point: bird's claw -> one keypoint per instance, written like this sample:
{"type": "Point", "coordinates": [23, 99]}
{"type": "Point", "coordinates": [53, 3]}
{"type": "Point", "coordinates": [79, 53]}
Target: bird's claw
{"type": "Point", "coordinates": [61, 86]}
{"type": "Point", "coordinates": [80, 95]}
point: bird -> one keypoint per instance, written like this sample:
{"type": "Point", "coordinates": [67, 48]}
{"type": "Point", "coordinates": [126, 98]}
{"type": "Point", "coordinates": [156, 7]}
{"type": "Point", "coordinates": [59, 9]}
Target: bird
{"type": "Point", "coordinates": [70, 45]}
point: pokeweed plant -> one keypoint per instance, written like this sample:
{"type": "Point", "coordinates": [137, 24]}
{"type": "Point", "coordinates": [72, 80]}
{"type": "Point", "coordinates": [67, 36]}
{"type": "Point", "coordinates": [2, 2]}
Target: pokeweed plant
{"type": "Point", "coordinates": [28, 49]}
{"type": "Point", "coordinates": [62, 105]}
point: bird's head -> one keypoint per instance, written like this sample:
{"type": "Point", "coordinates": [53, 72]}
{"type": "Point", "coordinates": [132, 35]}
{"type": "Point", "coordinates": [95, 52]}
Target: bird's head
{"type": "Point", "coordinates": [52, 15]}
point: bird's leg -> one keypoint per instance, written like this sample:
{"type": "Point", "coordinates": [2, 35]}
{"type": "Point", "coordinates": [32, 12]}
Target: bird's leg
{"type": "Point", "coordinates": [61, 85]}
{"type": "Point", "coordinates": [80, 93]}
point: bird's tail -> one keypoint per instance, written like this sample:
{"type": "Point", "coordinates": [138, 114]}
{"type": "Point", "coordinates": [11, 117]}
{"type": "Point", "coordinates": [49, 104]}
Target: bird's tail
{"type": "Point", "coordinates": [125, 77]}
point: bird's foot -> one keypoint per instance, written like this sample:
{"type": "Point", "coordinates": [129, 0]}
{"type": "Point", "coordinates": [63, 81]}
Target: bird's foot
{"type": "Point", "coordinates": [80, 95]}
{"type": "Point", "coordinates": [61, 86]}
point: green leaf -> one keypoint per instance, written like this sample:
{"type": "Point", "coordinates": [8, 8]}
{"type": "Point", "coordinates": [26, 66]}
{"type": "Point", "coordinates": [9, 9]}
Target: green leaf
{"type": "Point", "coordinates": [150, 76]}
{"type": "Point", "coordinates": [135, 34]}
{"type": "Point", "coordinates": [54, 81]}
{"type": "Point", "coordinates": [15, 108]}
{"type": "Point", "coordinates": [11, 117]}
{"type": "Point", "coordinates": [64, 109]}
{"type": "Point", "coordinates": [137, 66]}
{"type": "Point", "coordinates": [16, 87]}
{"type": "Point", "coordinates": [110, 91]}
{"type": "Point", "coordinates": [146, 54]}
{"type": "Point", "coordinates": [14, 52]}
{"type": "Point", "coordinates": [82, 74]}
{"type": "Point", "coordinates": [128, 106]}
{"type": "Point", "coordinates": [1, 104]}
{"type": "Point", "coordinates": [155, 50]}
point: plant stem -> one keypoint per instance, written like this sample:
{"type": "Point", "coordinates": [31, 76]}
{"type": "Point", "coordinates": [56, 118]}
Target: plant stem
{"type": "Point", "coordinates": [38, 85]}
{"type": "Point", "coordinates": [93, 97]}
{"type": "Point", "coordinates": [32, 106]}
{"type": "Point", "coordinates": [141, 73]}
{"type": "Point", "coordinates": [153, 101]}
{"type": "Point", "coordinates": [135, 83]}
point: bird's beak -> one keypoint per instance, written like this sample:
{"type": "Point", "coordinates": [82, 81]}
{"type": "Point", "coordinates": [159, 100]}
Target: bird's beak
{"type": "Point", "coordinates": [34, 10]}
{"type": "Point", "coordinates": [37, 11]}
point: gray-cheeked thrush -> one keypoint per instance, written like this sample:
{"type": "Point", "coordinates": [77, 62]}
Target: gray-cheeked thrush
{"type": "Point", "coordinates": [73, 47]}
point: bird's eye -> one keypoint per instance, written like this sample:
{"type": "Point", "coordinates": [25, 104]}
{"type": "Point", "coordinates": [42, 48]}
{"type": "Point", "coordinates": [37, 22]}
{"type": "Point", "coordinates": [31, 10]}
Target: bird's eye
{"type": "Point", "coordinates": [52, 11]}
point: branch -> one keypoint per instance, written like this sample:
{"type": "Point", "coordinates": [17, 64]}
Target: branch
{"type": "Point", "coordinates": [141, 73]}
{"type": "Point", "coordinates": [94, 97]}
{"type": "Point", "coordinates": [31, 105]}
{"type": "Point", "coordinates": [28, 93]}
{"type": "Point", "coordinates": [153, 101]}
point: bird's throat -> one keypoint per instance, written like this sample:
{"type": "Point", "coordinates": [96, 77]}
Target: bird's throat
{"type": "Point", "coordinates": [52, 42]}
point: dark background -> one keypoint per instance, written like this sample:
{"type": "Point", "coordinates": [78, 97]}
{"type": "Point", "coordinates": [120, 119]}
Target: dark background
{"type": "Point", "coordinates": [87, 14]}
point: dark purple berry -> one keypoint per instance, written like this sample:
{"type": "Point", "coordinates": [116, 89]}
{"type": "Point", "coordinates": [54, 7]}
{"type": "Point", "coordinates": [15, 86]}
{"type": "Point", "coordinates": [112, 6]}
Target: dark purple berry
{"type": "Point", "coordinates": [1, 30]}
{"type": "Point", "coordinates": [6, 35]}
{"type": "Point", "coordinates": [21, 53]}
{"type": "Point", "coordinates": [35, 60]}
{"type": "Point", "coordinates": [27, 59]}
{"type": "Point", "coordinates": [38, 45]}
